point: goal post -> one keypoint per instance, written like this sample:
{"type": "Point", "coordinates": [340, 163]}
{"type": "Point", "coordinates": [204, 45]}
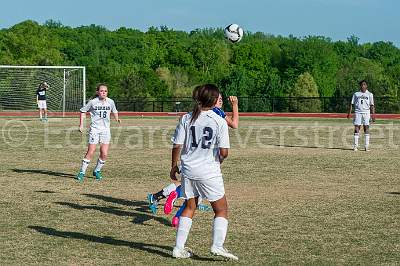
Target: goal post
{"type": "Point", "coordinates": [18, 85]}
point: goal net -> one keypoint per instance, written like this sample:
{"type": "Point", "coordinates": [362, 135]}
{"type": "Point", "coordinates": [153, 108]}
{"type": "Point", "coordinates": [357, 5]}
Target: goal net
{"type": "Point", "coordinates": [18, 85]}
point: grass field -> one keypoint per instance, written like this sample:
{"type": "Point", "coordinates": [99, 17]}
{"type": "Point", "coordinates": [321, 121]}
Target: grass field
{"type": "Point", "coordinates": [297, 195]}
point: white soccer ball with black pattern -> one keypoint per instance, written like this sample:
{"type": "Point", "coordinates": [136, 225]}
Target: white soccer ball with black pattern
{"type": "Point", "coordinates": [233, 33]}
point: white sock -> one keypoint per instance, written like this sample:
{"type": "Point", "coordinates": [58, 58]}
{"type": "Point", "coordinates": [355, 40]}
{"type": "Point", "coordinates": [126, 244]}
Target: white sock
{"type": "Point", "coordinates": [168, 189]}
{"type": "Point", "coordinates": [99, 165]}
{"type": "Point", "coordinates": [356, 137]}
{"type": "Point", "coordinates": [40, 115]}
{"type": "Point", "coordinates": [220, 227]}
{"type": "Point", "coordinates": [185, 223]}
{"type": "Point", "coordinates": [85, 164]}
{"type": "Point", "coordinates": [366, 140]}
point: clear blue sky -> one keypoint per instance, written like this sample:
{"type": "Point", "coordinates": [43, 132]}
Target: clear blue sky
{"type": "Point", "coordinates": [370, 20]}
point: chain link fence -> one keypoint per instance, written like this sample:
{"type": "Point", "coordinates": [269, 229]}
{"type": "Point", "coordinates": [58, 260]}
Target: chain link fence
{"type": "Point", "coordinates": [260, 104]}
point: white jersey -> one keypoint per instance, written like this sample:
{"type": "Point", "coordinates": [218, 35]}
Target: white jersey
{"type": "Point", "coordinates": [100, 111]}
{"type": "Point", "coordinates": [201, 142]}
{"type": "Point", "coordinates": [362, 102]}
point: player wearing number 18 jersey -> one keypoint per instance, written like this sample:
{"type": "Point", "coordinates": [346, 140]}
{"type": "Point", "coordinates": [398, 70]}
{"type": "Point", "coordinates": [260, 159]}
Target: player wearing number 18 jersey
{"type": "Point", "coordinates": [364, 110]}
{"type": "Point", "coordinates": [100, 109]}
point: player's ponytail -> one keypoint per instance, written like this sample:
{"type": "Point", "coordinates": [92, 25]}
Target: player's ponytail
{"type": "Point", "coordinates": [196, 112]}
{"type": "Point", "coordinates": [205, 96]}
{"type": "Point", "coordinates": [197, 106]}
{"type": "Point", "coordinates": [196, 92]}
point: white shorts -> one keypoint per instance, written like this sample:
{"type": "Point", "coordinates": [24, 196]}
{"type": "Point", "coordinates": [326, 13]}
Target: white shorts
{"type": "Point", "coordinates": [211, 189]}
{"type": "Point", "coordinates": [361, 119]}
{"type": "Point", "coordinates": [99, 136]}
{"type": "Point", "coordinates": [42, 104]}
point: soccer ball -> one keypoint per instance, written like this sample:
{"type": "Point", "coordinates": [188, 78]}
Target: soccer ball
{"type": "Point", "coordinates": [233, 33]}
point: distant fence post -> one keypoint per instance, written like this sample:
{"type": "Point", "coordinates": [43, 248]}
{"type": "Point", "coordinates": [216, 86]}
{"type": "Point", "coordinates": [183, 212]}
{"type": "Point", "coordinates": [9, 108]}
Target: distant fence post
{"type": "Point", "coordinates": [272, 104]}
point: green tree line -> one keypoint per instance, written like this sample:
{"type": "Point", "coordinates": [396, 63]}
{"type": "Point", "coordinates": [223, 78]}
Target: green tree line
{"type": "Point", "coordinates": [163, 63]}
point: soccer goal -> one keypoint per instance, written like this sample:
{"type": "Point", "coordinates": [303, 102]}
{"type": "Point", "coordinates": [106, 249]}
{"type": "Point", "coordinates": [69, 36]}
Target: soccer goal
{"type": "Point", "coordinates": [18, 85]}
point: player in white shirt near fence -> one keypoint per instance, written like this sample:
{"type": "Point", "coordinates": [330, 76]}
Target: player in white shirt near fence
{"type": "Point", "coordinates": [364, 110]}
{"type": "Point", "coordinates": [100, 109]}
{"type": "Point", "coordinates": [201, 141]}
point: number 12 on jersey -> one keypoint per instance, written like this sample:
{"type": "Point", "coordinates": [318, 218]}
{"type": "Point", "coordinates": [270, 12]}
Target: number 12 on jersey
{"type": "Point", "coordinates": [205, 139]}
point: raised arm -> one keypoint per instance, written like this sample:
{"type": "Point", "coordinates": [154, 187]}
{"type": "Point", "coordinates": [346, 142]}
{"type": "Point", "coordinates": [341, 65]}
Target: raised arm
{"type": "Point", "coordinates": [233, 120]}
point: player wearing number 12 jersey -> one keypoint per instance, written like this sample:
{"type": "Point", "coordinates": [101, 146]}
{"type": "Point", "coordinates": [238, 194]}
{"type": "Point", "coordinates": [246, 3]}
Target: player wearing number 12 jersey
{"type": "Point", "coordinates": [201, 141]}
{"type": "Point", "coordinates": [100, 109]}
{"type": "Point", "coordinates": [172, 191]}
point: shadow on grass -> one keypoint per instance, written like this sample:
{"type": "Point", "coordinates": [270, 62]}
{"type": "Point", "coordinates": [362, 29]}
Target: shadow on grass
{"type": "Point", "coordinates": [45, 191]}
{"type": "Point", "coordinates": [139, 218]}
{"type": "Point", "coordinates": [118, 201]}
{"type": "Point", "coordinates": [310, 147]}
{"type": "Point", "coordinates": [164, 251]}
{"type": "Point", "coordinates": [393, 193]}
{"type": "Point", "coordinates": [43, 172]}
{"type": "Point", "coordinates": [105, 240]}
{"type": "Point", "coordinates": [140, 206]}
